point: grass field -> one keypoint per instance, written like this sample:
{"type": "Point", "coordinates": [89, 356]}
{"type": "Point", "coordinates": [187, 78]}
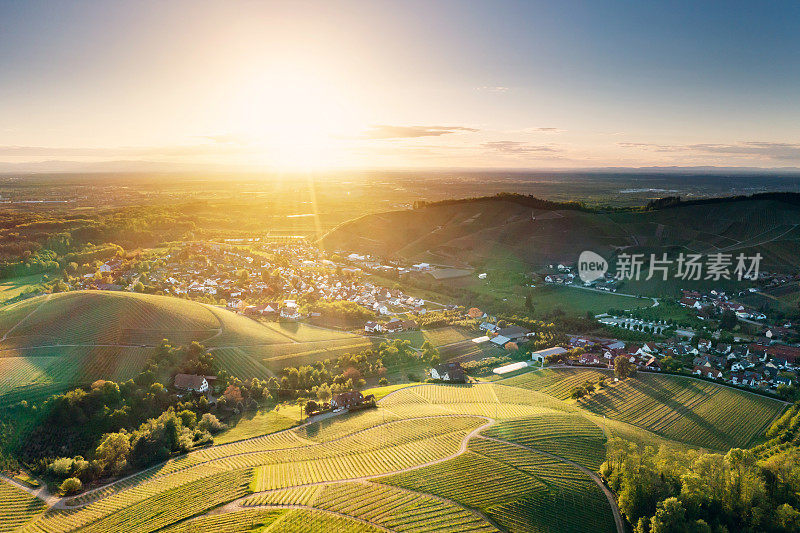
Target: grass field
{"type": "Point", "coordinates": [11, 288]}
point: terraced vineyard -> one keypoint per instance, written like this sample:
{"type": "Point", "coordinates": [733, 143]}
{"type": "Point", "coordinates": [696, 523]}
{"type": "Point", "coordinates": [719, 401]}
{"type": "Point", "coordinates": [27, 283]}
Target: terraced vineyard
{"type": "Point", "coordinates": [17, 507]}
{"type": "Point", "coordinates": [692, 411]}
{"type": "Point", "coordinates": [429, 458]}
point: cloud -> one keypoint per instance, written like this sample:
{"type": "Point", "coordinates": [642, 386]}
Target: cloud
{"type": "Point", "coordinates": [122, 151]}
{"type": "Point", "coordinates": [492, 89]}
{"type": "Point", "coordinates": [516, 147]}
{"type": "Point", "coordinates": [382, 131]}
{"type": "Point", "coordinates": [549, 130]}
{"type": "Point", "coordinates": [753, 149]}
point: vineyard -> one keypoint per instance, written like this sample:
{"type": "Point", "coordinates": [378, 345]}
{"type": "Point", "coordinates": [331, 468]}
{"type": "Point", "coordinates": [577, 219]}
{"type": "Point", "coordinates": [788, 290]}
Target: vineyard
{"type": "Point", "coordinates": [430, 457]}
{"type": "Point", "coordinates": [570, 436]}
{"type": "Point", "coordinates": [16, 507]}
{"type": "Point", "coordinates": [692, 411]}
{"type": "Point", "coordinates": [556, 382]}
{"type": "Point", "coordinates": [393, 508]}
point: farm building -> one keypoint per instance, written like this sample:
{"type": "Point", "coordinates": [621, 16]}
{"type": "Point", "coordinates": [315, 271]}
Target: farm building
{"type": "Point", "coordinates": [449, 372]}
{"type": "Point", "coordinates": [541, 355]}
{"type": "Point", "coordinates": [191, 382]}
{"type": "Point", "coordinates": [347, 399]}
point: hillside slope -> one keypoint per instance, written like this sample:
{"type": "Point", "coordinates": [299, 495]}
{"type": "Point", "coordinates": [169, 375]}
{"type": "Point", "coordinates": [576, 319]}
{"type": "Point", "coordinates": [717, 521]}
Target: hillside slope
{"type": "Point", "coordinates": [53, 342]}
{"type": "Point", "coordinates": [479, 230]}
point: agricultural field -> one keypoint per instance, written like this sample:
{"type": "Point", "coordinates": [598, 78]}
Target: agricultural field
{"type": "Point", "coordinates": [12, 288]}
{"type": "Point", "coordinates": [556, 382]}
{"type": "Point", "coordinates": [568, 435]}
{"type": "Point", "coordinates": [437, 336]}
{"type": "Point", "coordinates": [688, 410]}
{"type": "Point", "coordinates": [17, 507]}
{"type": "Point", "coordinates": [693, 411]}
{"type": "Point", "coordinates": [386, 506]}
{"type": "Point", "coordinates": [429, 457]}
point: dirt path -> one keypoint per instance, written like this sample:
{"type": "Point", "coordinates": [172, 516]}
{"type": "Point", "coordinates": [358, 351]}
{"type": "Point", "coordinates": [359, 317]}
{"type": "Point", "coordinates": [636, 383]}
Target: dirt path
{"type": "Point", "coordinates": [612, 501]}
{"type": "Point", "coordinates": [42, 493]}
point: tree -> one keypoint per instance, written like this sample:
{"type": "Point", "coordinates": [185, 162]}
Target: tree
{"type": "Point", "coordinates": [383, 381]}
{"type": "Point", "coordinates": [728, 320]}
{"type": "Point", "coordinates": [670, 517]}
{"type": "Point", "coordinates": [112, 453]}
{"type": "Point", "coordinates": [311, 407]}
{"type": "Point", "coordinates": [324, 393]}
{"type": "Point", "coordinates": [210, 423]}
{"type": "Point", "coordinates": [71, 485]}
{"type": "Point", "coordinates": [623, 368]}
{"type": "Point", "coordinates": [233, 394]}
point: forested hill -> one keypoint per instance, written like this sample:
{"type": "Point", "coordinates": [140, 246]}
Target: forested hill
{"type": "Point", "coordinates": [533, 231]}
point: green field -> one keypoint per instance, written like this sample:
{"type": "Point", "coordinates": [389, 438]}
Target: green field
{"type": "Point", "coordinates": [11, 288]}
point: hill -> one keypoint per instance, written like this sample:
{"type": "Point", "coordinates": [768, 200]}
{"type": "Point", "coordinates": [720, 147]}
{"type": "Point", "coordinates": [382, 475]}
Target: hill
{"type": "Point", "coordinates": [509, 229]}
{"type": "Point", "coordinates": [52, 342]}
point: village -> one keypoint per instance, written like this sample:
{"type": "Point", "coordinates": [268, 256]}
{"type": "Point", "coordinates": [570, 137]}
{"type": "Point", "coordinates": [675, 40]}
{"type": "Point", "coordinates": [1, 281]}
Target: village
{"type": "Point", "coordinates": [287, 279]}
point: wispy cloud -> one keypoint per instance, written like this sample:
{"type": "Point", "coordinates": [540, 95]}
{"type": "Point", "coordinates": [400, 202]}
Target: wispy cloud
{"type": "Point", "coordinates": [516, 147]}
{"type": "Point", "coordinates": [383, 131]}
{"type": "Point", "coordinates": [492, 89]}
{"type": "Point", "coordinates": [768, 150]}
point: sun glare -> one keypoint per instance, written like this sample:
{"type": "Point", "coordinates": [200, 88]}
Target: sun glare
{"type": "Point", "coordinates": [298, 115]}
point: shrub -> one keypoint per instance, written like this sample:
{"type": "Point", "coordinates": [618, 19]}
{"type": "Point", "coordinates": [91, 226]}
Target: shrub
{"type": "Point", "coordinates": [71, 485]}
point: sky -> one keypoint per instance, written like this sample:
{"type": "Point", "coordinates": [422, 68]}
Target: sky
{"type": "Point", "coordinates": [403, 84]}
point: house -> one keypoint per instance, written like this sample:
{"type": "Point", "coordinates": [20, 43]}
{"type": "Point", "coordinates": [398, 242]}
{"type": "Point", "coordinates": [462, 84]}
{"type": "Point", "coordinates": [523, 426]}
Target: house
{"type": "Point", "coordinates": [704, 344]}
{"type": "Point", "coordinates": [691, 303]}
{"type": "Point", "coordinates": [372, 327]}
{"type": "Point", "coordinates": [346, 400]}
{"type": "Point", "coordinates": [290, 310]}
{"type": "Point", "coordinates": [652, 364]}
{"type": "Point", "coordinates": [590, 359]}
{"type": "Point", "coordinates": [191, 382]}
{"type": "Point", "coordinates": [451, 372]}
{"type": "Point", "coordinates": [393, 326]}
{"type": "Point", "coordinates": [649, 347]}
{"type": "Point", "coordinates": [488, 326]}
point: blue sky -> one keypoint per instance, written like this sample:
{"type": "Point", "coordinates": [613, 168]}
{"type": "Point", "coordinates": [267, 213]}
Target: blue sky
{"type": "Point", "coordinates": [402, 84]}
